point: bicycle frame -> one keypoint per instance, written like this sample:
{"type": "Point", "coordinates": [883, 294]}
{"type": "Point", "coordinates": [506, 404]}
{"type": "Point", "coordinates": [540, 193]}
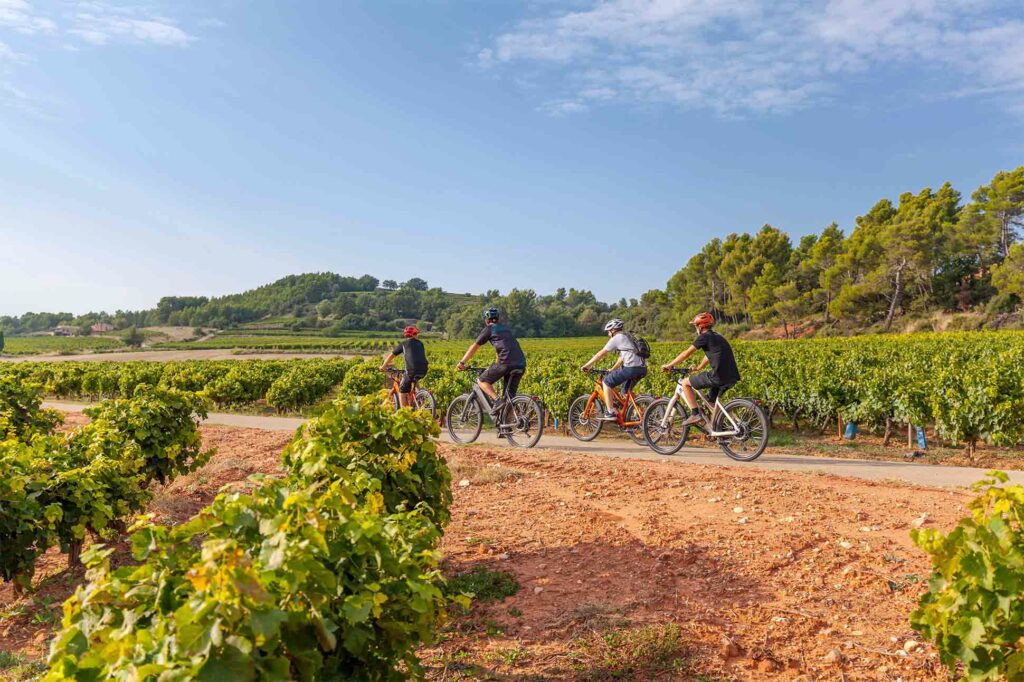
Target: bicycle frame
{"type": "Point", "coordinates": [396, 383]}
{"type": "Point", "coordinates": [624, 401]}
{"type": "Point", "coordinates": [715, 409]}
{"type": "Point", "coordinates": [485, 400]}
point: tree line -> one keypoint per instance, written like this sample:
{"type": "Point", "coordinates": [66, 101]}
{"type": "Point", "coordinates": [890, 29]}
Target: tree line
{"type": "Point", "coordinates": [927, 252]}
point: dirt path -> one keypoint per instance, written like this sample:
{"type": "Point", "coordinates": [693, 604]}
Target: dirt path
{"type": "Point", "coordinates": [772, 460]}
{"type": "Point", "coordinates": [167, 355]}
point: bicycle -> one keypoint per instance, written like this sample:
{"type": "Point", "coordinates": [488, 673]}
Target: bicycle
{"type": "Point", "coordinates": [586, 412]}
{"type": "Point", "coordinates": [419, 398]}
{"type": "Point", "coordinates": [521, 420]}
{"type": "Point", "coordinates": [739, 427]}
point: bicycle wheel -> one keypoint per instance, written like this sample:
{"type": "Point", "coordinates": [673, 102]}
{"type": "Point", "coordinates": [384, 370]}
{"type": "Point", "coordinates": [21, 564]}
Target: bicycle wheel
{"type": "Point", "coordinates": [395, 400]}
{"type": "Point", "coordinates": [635, 413]}
{"type": "Point", "coordinates": [526, 420]}
{"type": "Point", "coordinates": [464, 419]}
{"type": "Point", "coordinates": [425, 400]}
{"type": "Point", "coordinates": [668, 438]}
{"type": "Point", "coordinates": [583, 423]}
{"type": "Point", "coordinates": [752, 422]}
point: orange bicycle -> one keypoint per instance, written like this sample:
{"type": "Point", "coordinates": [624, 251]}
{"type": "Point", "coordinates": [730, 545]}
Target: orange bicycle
{"type": "Point", "coordinates": [419, 398]}
{"type": "Point", "coordinates": [585, 413]}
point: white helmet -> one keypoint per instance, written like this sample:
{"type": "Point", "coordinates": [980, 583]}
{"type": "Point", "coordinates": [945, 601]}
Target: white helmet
{"type": "Point", "coordinates": [614, 325]}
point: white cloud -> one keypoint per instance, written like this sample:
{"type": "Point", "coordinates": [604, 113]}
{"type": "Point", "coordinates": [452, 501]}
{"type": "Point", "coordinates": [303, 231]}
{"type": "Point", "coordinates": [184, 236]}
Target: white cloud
{"type": "Point", "coordinates": [101, 24]}
{"type": "Point", "coordinates": [22, 17]}
{"type": "Point", "coordinates": [742, 56]}
{"type": "Point", "coordinates": [9, 56]}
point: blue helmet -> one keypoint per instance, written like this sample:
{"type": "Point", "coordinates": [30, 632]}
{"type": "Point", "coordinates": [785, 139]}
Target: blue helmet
{"type": "Point", "coordinates": [491, 314]}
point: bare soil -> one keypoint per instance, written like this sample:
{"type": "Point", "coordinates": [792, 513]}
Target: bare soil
{"type": "Point", "coordinates": [631, 569]}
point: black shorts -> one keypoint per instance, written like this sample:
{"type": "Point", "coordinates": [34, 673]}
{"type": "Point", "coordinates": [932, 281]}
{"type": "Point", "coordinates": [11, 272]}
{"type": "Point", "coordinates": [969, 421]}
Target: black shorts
{"type": "Point", "coordinates": [707, 380]}
{"type": "Point", "coordinates": [407, 379]}
{"type": "Point", "coordinates": [512, 374]}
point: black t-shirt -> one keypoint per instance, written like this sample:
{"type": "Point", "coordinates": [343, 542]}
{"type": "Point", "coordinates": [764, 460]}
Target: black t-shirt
{"type": "Point", "coordinates": [719, 352]}
{"type": "Point", "coordinates": [505, 345]}
{"type": "Point", "coordinates": [415, 356]}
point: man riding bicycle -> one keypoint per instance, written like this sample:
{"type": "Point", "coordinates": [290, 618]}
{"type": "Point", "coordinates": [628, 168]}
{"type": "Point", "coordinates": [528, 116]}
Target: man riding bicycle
{"type": "Point", "coordinates": [718, 353]}
{"type": "Point", "coordinates": [415, 363]}
{"type": "Point", "coordinates": [510, 363]}
{"type": "Point", "coordinates": [627, 371]}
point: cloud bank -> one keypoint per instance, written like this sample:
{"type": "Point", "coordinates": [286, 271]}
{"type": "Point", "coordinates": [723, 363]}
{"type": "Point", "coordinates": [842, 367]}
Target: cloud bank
{"type": "Point", "coordinates": [741, 57]}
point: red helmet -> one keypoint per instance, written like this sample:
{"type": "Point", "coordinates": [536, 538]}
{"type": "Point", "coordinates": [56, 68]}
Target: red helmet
{"type": "Point", "coordinates": [703, 321]}
{"type": "Point", "coordinates": [411, 331]}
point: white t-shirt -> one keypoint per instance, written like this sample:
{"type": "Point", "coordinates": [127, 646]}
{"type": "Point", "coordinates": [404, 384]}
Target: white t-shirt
{"type": "Point", "coordinates": [620, 343]}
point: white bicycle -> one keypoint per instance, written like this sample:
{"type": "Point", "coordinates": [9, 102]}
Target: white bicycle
{"type": "Point", "coordinates": [739, 427]}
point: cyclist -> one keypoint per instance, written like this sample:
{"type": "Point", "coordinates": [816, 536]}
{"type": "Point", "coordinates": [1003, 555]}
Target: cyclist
{"type": "Point", "coordinates": [415, 363]}
{"type": "Point", "coordinates": [510, 362]}
{"type": "Point", "coordinates": [717, 353]}
{"type": "Point", "coordinates": [628, 370]}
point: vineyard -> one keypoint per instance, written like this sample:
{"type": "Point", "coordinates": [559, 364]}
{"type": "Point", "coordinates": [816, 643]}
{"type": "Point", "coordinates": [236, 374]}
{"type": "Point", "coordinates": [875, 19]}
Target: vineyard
{"type": "Point", "coordinates": [329, 572]}
{"type": "Point", "coordinates": [968, 387]}
{"type": "Point", "coordinates": [36, 345]}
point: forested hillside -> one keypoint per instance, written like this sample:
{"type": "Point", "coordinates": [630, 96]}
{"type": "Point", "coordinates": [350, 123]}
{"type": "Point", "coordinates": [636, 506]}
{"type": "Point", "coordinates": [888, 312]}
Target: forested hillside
{"type": "Point", "coordinates": [926, 252]}
{"type": "Point", "coordinates": [904, 262]}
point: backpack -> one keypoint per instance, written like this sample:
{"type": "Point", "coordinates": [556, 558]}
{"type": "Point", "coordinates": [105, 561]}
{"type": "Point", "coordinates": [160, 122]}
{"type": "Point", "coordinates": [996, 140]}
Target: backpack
{"type": "Point", "coordinates": [643, 349]}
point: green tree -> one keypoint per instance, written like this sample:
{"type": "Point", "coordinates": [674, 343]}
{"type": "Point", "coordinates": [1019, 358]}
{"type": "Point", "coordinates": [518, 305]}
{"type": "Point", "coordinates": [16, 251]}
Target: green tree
{"type": "Point", "coordinates": [133, 338]}
{"type": "Point", "coordinates": [416, 284]}
{"type": "Point", "coordinates": [990, 223]}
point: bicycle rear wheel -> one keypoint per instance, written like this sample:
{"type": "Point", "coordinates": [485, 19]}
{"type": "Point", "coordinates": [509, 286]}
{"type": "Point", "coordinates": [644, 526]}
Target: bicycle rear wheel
{"type": "Point", "coordinates": [584, 423]}
{"type": "Point", "coordinates": [526, 421]}
{"type": "Point", "coordinates": [635, 413]}
{"type": "Point", "coordinates": [425, 400]}
{"type": "Point", "coordinates": [752, 424]}
{"type": "Point", "coordinates": [464, 419]}
{"type": "Point", "coordinates": [667, 438]}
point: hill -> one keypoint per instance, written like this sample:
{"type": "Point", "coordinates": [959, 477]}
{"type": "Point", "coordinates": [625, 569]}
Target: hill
{"type": "Point", "coordinates": [927, 261]}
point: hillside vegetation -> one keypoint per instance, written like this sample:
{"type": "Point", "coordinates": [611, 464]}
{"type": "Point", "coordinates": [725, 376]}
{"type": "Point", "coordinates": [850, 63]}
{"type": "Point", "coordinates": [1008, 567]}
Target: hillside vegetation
{"type": "Point", "coordinates": [904, 262]}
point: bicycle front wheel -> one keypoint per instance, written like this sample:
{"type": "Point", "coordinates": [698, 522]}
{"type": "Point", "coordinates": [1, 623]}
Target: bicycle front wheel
{"type": "Point", "coordinates": [525, 418]}
{"type": "Point", "coordinates": [464, 419]}
{"type": "Point", "coordinates": [635, 415]}
{"type": "Point", "coordinates": [664, 432]}
{"type": "Point", "coordinates": [751, 425]}
{"type": "Point", "coordinates": [584, 422]}
{"type": "Point", "coordinates": [425, 401]}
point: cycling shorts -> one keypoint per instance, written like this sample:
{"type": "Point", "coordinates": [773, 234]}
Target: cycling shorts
{"type": "Point", "coordinates": [512, 374]}
{"type": "Point", "coordinates": [714, 386]}
{"type": "Point", "coordinates": [628, 377]}
{"type": "Point", "coordinates": [405, 385]}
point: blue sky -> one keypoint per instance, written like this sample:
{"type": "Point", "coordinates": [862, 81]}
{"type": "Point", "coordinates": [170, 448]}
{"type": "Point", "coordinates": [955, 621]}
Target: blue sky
{"type": "Point", "coordinates": [152, 148]}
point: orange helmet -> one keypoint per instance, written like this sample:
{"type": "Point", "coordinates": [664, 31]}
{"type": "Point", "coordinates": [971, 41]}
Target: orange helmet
{"type": "Point", "coordinates": [411, 332]}
{"type": "Point", "coordinates": [703, 321]}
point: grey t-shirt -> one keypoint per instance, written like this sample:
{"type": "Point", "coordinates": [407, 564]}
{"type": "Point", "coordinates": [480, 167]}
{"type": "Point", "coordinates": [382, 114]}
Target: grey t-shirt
{"type": "Point", "coordinates": [620, 343]}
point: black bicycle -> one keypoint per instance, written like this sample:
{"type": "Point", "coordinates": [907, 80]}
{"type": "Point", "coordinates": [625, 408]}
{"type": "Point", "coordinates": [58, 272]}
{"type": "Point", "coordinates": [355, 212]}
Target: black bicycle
{"type": "Point", "coordinates": [520, 421]}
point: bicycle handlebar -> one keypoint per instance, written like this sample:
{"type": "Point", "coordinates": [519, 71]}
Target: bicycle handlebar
{"type": "Point", "coordinates": [478, 370]}
{"type": "Point", "coordinates": [598, 372]}
{"type": "Point", "coordinates": [684, 371]}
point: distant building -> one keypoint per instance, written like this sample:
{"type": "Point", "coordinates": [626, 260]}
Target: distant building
{"type": "Point", "coordinates": [65, 330]}
{"type": "Point", "coordinates": [102, 328]}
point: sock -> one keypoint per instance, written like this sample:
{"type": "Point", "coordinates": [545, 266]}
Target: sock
{"type": "Point", "coordinates": [695, 412]}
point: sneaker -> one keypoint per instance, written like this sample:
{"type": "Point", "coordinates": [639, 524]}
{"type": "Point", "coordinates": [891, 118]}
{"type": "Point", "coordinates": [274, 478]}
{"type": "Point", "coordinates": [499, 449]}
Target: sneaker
{"type": "Point", "coordinates": [608, 416]}
{"type": "Point", "coordinates": [497, 407]}
{"type": "Point", "coordinates": [694, 420]}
